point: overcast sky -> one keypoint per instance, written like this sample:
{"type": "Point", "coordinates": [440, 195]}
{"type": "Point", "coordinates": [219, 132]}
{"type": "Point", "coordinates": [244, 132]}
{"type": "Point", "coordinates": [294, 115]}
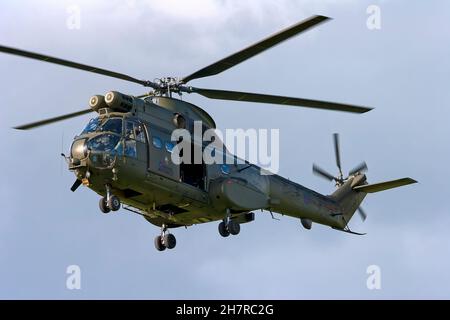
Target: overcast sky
{"type": "Point", "coordinates": [402, 70]}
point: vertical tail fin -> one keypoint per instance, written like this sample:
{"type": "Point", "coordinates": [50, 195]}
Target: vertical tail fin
{"type": "Point", "coordinates": [348, 198]}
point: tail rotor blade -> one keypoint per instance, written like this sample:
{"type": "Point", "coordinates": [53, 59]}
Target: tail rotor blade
{"type": "Point", "coordinates": [362, 167]}
{"type": "Point", "coordinates": [362, 214]}
{"type": "Point", "coordinates": [337, 152]}
{"type": "Point", "coordinates": [321, 172]}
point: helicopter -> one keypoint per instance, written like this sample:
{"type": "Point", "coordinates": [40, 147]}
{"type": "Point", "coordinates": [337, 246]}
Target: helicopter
{"type": "Point", "coordinates": [124, 155]}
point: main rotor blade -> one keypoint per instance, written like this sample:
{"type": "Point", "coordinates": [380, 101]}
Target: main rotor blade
{"type": "Point", "coordinates": [362, 167]}
{"type": "Point", "coordinates": [71, 64]}
{"type": "Point", "coordinates": [273, 99]}
{"type": "Point", "coordinates": [256, 48]}
{"type": "Point", "coordinates": [52, 120]}
{"type": "Point", "coordinates": [362, 214]}
{"type": "Point", "coordinates": [337, 151]}
{"type": "Point", "coordinates": [321, 172]}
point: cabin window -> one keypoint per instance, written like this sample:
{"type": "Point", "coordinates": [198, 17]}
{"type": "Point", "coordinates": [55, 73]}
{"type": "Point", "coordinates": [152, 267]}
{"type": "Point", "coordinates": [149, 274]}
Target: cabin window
{"type": "Point", "coordinates": [225, 169]}
{"type": "Point", "coordinates": [157, 142]}
{"type": "Point", "coordinates": [169, 146]}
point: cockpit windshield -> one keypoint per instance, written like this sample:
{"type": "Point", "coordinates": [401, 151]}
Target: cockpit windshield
{"type": "Point", "coordinates": [92, 126]}
{"type": "Point", "coordinates": [112, 125]}
{"type": "Point", "coordinates": [109, 124]}
{"type": "Point", "coordinates": [103, 143]}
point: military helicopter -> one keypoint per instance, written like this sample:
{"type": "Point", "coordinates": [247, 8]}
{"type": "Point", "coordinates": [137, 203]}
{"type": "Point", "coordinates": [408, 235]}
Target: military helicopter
{"type": "Point", "coordinates": [123, 154]}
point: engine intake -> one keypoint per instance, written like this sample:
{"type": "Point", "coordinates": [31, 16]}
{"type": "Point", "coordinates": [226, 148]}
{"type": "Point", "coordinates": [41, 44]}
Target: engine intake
{"type": "Point", "coordinates": [118, 101]}
{"type": "Point", "coordinates": [97, 102]}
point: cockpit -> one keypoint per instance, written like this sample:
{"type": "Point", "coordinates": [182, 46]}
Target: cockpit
{"type": "Point", "coordinates": [107, 142]}
{"type": "Point", "coordinates": [105, 138]}
{"type": "Point", "coordinates": [103, 143]}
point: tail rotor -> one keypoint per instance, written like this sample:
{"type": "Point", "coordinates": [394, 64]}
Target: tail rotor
{"type": "Point", "coordinates": [339, 178]}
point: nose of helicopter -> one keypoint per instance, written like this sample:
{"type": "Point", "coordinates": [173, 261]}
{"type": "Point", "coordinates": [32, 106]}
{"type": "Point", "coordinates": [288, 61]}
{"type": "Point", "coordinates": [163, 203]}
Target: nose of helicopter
{"type": "Point", "coordinates": [98, 151]}
{"type": "Point", "coordinates": [79, 149]}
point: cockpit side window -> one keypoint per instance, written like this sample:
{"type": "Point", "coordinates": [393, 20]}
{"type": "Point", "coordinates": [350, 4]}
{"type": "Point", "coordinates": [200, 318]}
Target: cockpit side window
{"type": "Point", "coordinates": [129, 130]}
{"type": "Point", "coordinates": [135, 131]}
{"type": "Point", "coordinates": [130, 148]}
{"type": "Point", "coordinates": [139, 132]}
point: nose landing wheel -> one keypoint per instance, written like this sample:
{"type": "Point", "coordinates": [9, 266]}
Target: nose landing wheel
{"type": "Point", "coordinates": [103, 204]}
{"type": "Point", "coordinates": [110, 202]}
{"type": "Point", "coordinates": [113, 203]}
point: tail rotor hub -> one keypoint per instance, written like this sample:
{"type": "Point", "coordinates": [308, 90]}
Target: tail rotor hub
{"type": "Point", "coordinates": [339, 179]}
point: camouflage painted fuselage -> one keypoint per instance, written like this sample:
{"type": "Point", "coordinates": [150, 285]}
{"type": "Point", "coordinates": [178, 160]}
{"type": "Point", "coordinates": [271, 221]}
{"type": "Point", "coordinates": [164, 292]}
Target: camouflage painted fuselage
{"type": "Point", "coordinates": [141, 173]}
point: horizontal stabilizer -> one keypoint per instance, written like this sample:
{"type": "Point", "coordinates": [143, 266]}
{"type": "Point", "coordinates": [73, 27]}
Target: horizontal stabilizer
{"type": "Point", "coordinates": [381, 186]}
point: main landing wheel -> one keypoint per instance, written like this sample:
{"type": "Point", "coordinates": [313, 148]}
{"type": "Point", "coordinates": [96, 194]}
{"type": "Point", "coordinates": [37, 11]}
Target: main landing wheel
{"type": "Point", "coordinates": [166, 240]}
{"type": "Point", "coordinates": [233, 227]}
{"type": "Point", "coordinates": [223, 230]}
{"type": "Point", "coordinates": [159, 244]}
{"type": "Point", "coordinates": [169, 241]}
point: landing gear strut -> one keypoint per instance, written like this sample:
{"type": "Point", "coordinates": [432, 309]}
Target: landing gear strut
{"type": "Point", "coordinates": [165, 240]}
{"type": "Point", "coordinates": [228, 226]}
{"type": "Point", "coordinates": [110, 202]}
